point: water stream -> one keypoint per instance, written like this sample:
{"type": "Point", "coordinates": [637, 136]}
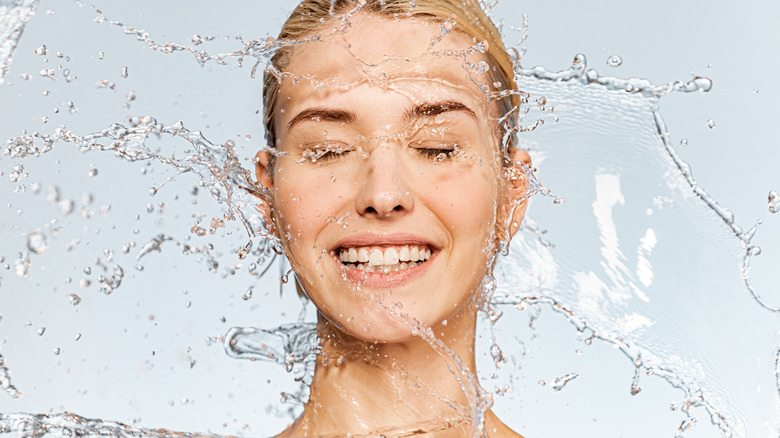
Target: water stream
{"type": "Point", "coordinates": [127, 157]}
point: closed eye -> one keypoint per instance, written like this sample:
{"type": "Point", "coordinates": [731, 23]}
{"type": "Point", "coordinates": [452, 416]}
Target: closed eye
{"type": "Point", "coordinates": [435, 151]}
{"type": "Point", "coordinates": [326, 152]}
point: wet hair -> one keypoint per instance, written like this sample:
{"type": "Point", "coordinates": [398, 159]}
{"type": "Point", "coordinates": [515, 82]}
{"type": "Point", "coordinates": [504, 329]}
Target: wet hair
{"type": "Point", "coordinates": [310, 16]}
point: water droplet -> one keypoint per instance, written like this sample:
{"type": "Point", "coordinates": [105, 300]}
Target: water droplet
{"type": "Point", "coordinates": [560, 382]}
{"type": "Point", "coordinates": [42, 50]}
{"type": "Point", "coordinates": [66, 206]}
{"type": "Point", "coordinates": [774, 202]}
{"type": "Point", "coordinates": [684, 142]}
{"type": "Point", "coordinates": [755, 91]}
{"type": "Point", "coordinates": [614, 61]}
{"type": "Point", "coordinates": [101, 55]}
{"type": "Point", "coordinates": [196, 39]}
{"type": "Point", "coordinates": [41, 331]}
{"type": "Point", "coordinates": [124, 72]}
{"type": "Point", "coordinates": [87, 270]}
{"type": "Point", "coordinates": [57, 351]}
{"type": "Point", "coordinates": [711, 124]}
{"type": "Point", "coordinates": [74, 299]}
{"type": "Point", "coordinates": [496, 354]}
{"type": "Point", "coordinates": [77, 337]}
{"type": "Point", "coordinates": [36, 242]}
{"type": "Point", "coordinates": [93, 172]}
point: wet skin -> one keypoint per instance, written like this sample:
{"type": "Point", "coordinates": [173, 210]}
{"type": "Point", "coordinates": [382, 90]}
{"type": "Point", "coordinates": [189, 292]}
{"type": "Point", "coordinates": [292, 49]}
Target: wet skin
{"type": "Point", "coordinates": [386, 147]}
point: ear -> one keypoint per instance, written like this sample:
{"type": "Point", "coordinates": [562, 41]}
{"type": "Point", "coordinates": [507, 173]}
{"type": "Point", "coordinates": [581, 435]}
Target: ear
{"type": "Point", "coordinates": [264, 174]}
{"type": "Point", "coordinates": [517, 187]}
{"type": "Point", "coordinates": [263, 170]}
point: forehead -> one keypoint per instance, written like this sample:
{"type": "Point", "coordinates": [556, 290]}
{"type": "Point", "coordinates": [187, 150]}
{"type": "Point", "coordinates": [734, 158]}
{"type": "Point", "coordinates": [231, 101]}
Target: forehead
{"type": "Point", "coordinates": [409, 55]}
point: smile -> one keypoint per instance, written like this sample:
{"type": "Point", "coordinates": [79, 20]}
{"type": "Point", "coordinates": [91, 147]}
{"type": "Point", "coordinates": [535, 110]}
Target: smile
{"type": "Point", "coordinates": [384, 260]}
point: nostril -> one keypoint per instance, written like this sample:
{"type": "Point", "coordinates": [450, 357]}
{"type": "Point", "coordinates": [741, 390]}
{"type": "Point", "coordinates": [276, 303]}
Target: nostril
{"type": "Point", "coordinates": [397, 208]}
{"type": "Point", "coordinates": [370, 210]}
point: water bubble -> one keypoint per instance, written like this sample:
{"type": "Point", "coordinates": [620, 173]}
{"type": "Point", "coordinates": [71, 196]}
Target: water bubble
{"type": "Point", "coordinates": [196, 40]}
{"type": "Point", "coordinates": [41, 331]}
{"type": "Point", "coordinates": [755, 91]}
{"type": "Point", "coordinates": [101, 55]}
{"type": "Point", "coordinates": [482, 67]}
{"type": "Point", "coordinates": [74, 299]}
{"type": "Point", "coordinates": [84, 282]}
{"type": "Point", "coordinates": [36, 242]}
{"type": "Point", "coordinates": [92, 172]}
{"type": "Point", "coordinates": [57, 351]}
{"type": "Point", "coordinates": [247, 295]}
{"type": "Point", "coordinates": [614, 61]}
{"type": "Point", "coordinates": [42, 50]}
{"type": "Point", "coordinates": [26, 76]}
{"type": "Point", "coordinates": [87, 270]}
{"type": "Point", "coordinates": [774, 202]}
{"type": "Point", "coordinates": [711, 124]}
{"type": "Point", "coordinates": [77, 337]}
{"type": "Point", "coordinates": [684, 142]}
{"type": "Point", "coordinates": [124, 72]}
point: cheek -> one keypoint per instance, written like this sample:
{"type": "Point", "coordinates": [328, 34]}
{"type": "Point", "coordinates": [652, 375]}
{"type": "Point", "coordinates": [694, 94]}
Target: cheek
{"type": "Point", "coordinates": [464, 199]}
{"type": "Point", "coordinates": [305, 203]}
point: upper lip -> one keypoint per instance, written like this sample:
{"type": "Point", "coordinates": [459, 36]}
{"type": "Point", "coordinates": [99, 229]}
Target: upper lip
{"type": "Point", "coordinates": [391, 239]}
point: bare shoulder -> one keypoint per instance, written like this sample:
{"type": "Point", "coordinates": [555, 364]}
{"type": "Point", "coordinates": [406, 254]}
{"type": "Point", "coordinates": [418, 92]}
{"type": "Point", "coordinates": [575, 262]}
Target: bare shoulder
{"type": "Point", "coordinates": [495, 428]}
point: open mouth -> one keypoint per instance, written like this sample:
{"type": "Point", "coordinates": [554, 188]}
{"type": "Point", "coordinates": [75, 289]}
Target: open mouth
{"type": "Point", "coordinates": [384, 259]}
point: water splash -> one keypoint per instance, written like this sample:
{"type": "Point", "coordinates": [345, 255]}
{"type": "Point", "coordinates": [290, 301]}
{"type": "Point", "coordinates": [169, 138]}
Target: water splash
{"type": "Point", "coordinates": [68, 424]}
{"type": "Point", "coordinates": [286, 345]}
{"type": "Point", "coordinates": [644, 88]}
{"type": "Point", "coordinates": [5, 380]}
{"type": "Point", "coordinates": [13, 18]}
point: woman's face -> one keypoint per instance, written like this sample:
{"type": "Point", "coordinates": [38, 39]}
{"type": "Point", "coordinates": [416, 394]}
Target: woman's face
{"type": "Point", "coordinates": [387, 181]}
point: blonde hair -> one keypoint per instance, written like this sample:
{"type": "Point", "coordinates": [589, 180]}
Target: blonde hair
{"type": "Point", "coordinates": [468, 16]}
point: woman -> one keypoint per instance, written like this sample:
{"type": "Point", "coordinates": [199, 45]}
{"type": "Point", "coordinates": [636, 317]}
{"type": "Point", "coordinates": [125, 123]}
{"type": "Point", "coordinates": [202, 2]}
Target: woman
{"type": "Point", "coordinates": [391, 183]}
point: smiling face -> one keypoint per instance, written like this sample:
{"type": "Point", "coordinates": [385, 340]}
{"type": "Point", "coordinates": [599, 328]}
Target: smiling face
{"type": "Point", "coordinates": [387, 180]}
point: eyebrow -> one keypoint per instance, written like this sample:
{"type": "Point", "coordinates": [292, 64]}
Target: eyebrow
{"type": "Point", "coordinates": [424, 110]}
{"type": "Point", "coordinates": [323, 115]}
{"type": "Point", "coordinates": [433, 109]}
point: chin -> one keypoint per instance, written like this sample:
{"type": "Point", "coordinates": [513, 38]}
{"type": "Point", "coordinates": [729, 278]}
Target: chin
{"type": "Point", "coordinates": [378, 327]}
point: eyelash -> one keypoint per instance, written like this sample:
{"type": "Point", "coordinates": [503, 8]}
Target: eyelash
{"type": "Point", "coordinates": [434, 153]}
{"type": "Point", "coordinates": [326, 153]}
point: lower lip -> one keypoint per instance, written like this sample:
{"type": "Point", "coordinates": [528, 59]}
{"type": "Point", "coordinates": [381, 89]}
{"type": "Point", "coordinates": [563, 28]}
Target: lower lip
{"type": "Point", "coordinates": [376, 280]}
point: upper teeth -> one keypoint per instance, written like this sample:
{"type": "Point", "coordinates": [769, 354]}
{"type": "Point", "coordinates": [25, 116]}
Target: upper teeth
{"type": "Point", "coordinates": [385, 257]}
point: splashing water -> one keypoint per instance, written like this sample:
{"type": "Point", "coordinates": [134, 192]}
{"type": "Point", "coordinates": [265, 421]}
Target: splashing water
{"type": "Point", "coordinates": [628, 283]}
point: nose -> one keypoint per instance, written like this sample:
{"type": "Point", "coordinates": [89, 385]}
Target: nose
{"type": "Point", "coordinates": [384, 192]}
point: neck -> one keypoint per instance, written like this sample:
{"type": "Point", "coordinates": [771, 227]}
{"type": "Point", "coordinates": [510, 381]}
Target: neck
{"type": "Point", "coordinates": [424, 384]}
